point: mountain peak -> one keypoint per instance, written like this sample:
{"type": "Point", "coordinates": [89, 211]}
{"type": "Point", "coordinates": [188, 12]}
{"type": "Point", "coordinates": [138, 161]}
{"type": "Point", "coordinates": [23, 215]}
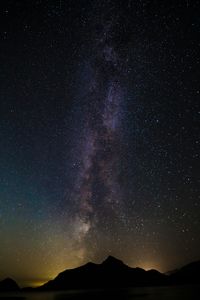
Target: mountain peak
{"type": "Point", "coordinates": [112, 261]}
{"type": "Point", "coordinates": [8, 284]}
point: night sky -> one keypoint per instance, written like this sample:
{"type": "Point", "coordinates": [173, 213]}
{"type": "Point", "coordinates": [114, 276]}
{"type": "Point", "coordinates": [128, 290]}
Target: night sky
{"type": "Point", "coordinates": [99, 140]}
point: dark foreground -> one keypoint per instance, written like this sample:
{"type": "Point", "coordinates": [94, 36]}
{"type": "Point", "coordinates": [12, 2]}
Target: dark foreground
{"type": "Point", "coordinates": [189, 292]}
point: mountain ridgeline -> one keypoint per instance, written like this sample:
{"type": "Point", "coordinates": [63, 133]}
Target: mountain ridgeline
{"type": "Point", "coordinates": [8, 285]}
{"type": "Point", "coordinates": [113, 273]}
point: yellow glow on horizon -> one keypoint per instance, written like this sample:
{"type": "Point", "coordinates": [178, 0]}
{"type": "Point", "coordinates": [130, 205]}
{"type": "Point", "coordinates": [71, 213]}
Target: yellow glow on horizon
{"type": "Point", "coordinates": [53, 272]}
{"type": "Point", "coordinates": [150, 265]}
{"type": "Point", "coordinates": [51, 275]}
{"type": "Point", "coordinates": [33, 283]}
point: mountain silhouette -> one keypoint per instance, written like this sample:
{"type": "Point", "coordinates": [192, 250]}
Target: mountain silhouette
{"type": "Point", "coordinates": [112, 273]}
{"type": "Point", "coordinates": [8, 285]}
{"type": "Point", "coordinates": [109, 274]}
{"type": "Point", "coordinates": [187, 274]}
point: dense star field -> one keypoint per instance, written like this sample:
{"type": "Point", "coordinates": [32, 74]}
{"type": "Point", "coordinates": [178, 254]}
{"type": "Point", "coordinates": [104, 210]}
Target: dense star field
{"type": "Point", "coordinates": [99, 139]}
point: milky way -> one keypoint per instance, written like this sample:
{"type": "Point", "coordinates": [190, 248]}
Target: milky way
{"type": "Point", "coordinates": [99, 134]}
{"type": "Point", "coordinates": [97, 193]}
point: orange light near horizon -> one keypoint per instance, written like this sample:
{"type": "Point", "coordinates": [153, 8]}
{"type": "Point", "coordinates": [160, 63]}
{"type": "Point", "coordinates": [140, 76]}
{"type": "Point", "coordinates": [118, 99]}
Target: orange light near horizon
{"type": "Point", "coordinates": [150, 265]}
{"type": "Point", "coordinates": [33, 283]}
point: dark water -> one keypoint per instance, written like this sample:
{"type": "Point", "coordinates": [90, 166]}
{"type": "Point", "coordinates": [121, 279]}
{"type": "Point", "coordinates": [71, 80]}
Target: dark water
{"type": "Point", "coordinates": [148, 293]}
